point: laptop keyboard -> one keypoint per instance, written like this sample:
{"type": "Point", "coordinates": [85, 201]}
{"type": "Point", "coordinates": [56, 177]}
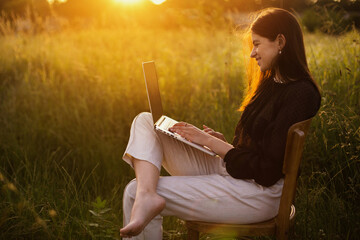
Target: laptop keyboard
{"type": "Point", "coordinates": [167, 123]}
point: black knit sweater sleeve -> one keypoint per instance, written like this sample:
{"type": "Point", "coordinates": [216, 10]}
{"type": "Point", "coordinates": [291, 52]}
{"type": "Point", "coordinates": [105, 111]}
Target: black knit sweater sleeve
{"type": "Point", "coordinates": [263, 161]}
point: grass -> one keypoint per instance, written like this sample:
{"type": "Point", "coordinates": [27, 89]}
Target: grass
{"type": "Point", "coordinates": [68, 99]}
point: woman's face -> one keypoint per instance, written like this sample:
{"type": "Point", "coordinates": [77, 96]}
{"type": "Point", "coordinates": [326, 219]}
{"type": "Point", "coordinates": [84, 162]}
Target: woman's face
{"type": "Point", "coordinates": [264, 51]}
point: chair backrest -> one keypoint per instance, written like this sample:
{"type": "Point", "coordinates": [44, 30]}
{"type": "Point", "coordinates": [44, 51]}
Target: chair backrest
{"type": "Point", "coordinates": [293, 152]}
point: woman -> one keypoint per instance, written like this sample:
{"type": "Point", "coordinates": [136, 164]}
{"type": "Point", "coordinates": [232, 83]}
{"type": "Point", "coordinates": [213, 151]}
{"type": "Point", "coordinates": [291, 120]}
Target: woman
{"type": "Point", "coordinates": [243, 183]}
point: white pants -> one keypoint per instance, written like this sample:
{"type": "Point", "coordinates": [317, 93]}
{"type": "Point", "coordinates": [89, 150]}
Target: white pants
{"type": "Point", "coordinates": [199, 187]}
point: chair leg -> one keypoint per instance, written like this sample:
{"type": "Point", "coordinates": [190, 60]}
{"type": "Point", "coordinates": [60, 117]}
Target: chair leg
{"type": "Point", "coordinates": [192, 234]}
{"type": "Point", "coordinates": [282, 235]}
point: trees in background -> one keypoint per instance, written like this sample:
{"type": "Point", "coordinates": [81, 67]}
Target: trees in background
{"type": "Point", "coordinates": [21, 7]}
{"type": "Point", "coordinates": [340, 13]}
{"type": "Point", "coordinates": [81, 8]}
{"type": "Point", "coordinates": [332, 17]}
{"type": "Point", "coordinates": [90, 7]}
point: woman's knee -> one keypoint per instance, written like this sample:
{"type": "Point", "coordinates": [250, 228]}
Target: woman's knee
{"type": "Point", "coordinates": [144, 117]}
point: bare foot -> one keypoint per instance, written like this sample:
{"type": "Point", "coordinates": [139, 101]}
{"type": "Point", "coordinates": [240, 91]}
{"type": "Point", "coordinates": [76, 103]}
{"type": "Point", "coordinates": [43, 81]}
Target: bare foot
{"type": "Point", "coordinates": [146, 206]}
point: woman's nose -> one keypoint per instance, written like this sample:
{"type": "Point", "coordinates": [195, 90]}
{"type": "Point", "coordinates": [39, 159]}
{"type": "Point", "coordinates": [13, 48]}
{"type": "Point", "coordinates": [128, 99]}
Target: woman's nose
{"type": "Point", "coordinates": [253, 53]}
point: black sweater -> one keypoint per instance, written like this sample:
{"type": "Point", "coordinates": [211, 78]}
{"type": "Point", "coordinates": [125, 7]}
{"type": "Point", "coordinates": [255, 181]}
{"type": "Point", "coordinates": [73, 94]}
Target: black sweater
{"type": "Point", "coordinates": [262, 159]}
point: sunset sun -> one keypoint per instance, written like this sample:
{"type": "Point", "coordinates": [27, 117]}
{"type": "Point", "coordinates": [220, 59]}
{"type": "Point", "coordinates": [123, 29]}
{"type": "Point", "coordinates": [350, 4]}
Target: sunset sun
{"type": "Point", "coordinates": [157, 2]}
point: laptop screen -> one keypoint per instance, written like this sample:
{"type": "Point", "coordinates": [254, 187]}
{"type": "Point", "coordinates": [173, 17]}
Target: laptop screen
{"type": "Point", "coordinates": [152, 89]}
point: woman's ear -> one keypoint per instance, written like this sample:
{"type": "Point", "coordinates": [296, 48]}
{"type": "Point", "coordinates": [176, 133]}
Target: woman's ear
{"type": "Point", "coordinates": [281, 40]}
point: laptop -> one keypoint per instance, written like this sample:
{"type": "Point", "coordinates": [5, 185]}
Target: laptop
{"type": "Point", "coordinates": [162, 122]}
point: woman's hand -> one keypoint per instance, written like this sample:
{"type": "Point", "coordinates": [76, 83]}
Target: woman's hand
{"type": "Point", "coordinates": [191, 133]}
{"type": "Point", "coordinates": [213, 133]}
{"type": "Point", "coordinates": [207, 137]}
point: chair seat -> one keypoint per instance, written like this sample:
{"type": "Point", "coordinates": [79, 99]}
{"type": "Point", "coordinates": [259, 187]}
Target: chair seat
{"type": "Point", "coordinates": [255, 229]}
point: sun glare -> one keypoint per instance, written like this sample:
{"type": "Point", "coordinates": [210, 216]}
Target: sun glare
{"type": "Point", "coordinates": [158, 2]}
{"type": "Point", "coordinates": [128, 1]}
{"type": "Point", "coordinates": [52, 1]}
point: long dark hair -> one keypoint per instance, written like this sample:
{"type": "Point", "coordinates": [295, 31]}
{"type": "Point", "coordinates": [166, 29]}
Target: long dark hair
{"type": "Point", "coordinates": [291, 64]}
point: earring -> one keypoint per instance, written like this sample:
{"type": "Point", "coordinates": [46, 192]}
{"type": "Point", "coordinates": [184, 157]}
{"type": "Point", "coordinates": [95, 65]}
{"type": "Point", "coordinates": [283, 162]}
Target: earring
{"type": "Point", "coordinates": [279, 52]}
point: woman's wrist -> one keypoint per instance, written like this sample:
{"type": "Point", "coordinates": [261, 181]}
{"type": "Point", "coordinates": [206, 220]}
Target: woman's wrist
{"type": "Point", "coordinates": [209, 141]}
{"type": "Point", "coordinates": [218, 146]}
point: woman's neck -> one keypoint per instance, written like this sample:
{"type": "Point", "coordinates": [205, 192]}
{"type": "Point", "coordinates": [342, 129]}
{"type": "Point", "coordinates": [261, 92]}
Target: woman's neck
{"type": "Point", "coordinates": [277, 76]}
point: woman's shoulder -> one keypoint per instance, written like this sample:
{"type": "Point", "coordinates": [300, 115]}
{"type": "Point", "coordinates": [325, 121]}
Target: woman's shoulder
{"type": "Point", "coordinates": [302, 83]}
{"type": "Point", "coordinates": [302, 88]}
{"type": "Point", "coordinates": [303, 93]}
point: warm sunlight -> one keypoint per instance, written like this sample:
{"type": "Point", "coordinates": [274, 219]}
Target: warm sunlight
{"type": "Point", "coordinates": [128, 1]}
{"type": "Point", "coordinates": [158, 2]}
{"type": "Point", "coordinates": [52, 1]}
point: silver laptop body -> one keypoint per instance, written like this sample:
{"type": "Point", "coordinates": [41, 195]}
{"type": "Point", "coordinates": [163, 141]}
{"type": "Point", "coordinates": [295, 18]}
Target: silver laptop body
{"type": "Point", "coordinates": [162, 122]}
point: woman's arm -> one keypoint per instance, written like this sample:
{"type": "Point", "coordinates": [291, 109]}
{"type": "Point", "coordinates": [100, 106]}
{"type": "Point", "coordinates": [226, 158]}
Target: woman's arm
{"type": "Point", "coordinates": [198, 136]}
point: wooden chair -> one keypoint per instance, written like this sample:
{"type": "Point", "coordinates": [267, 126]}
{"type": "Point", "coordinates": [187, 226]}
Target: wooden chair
{"type": "Point", "coordinates": [280, 225]}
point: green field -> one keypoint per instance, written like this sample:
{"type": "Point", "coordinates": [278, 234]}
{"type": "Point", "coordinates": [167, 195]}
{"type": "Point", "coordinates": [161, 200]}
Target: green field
{"type": "Point", "coordinates": [68, 99]}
